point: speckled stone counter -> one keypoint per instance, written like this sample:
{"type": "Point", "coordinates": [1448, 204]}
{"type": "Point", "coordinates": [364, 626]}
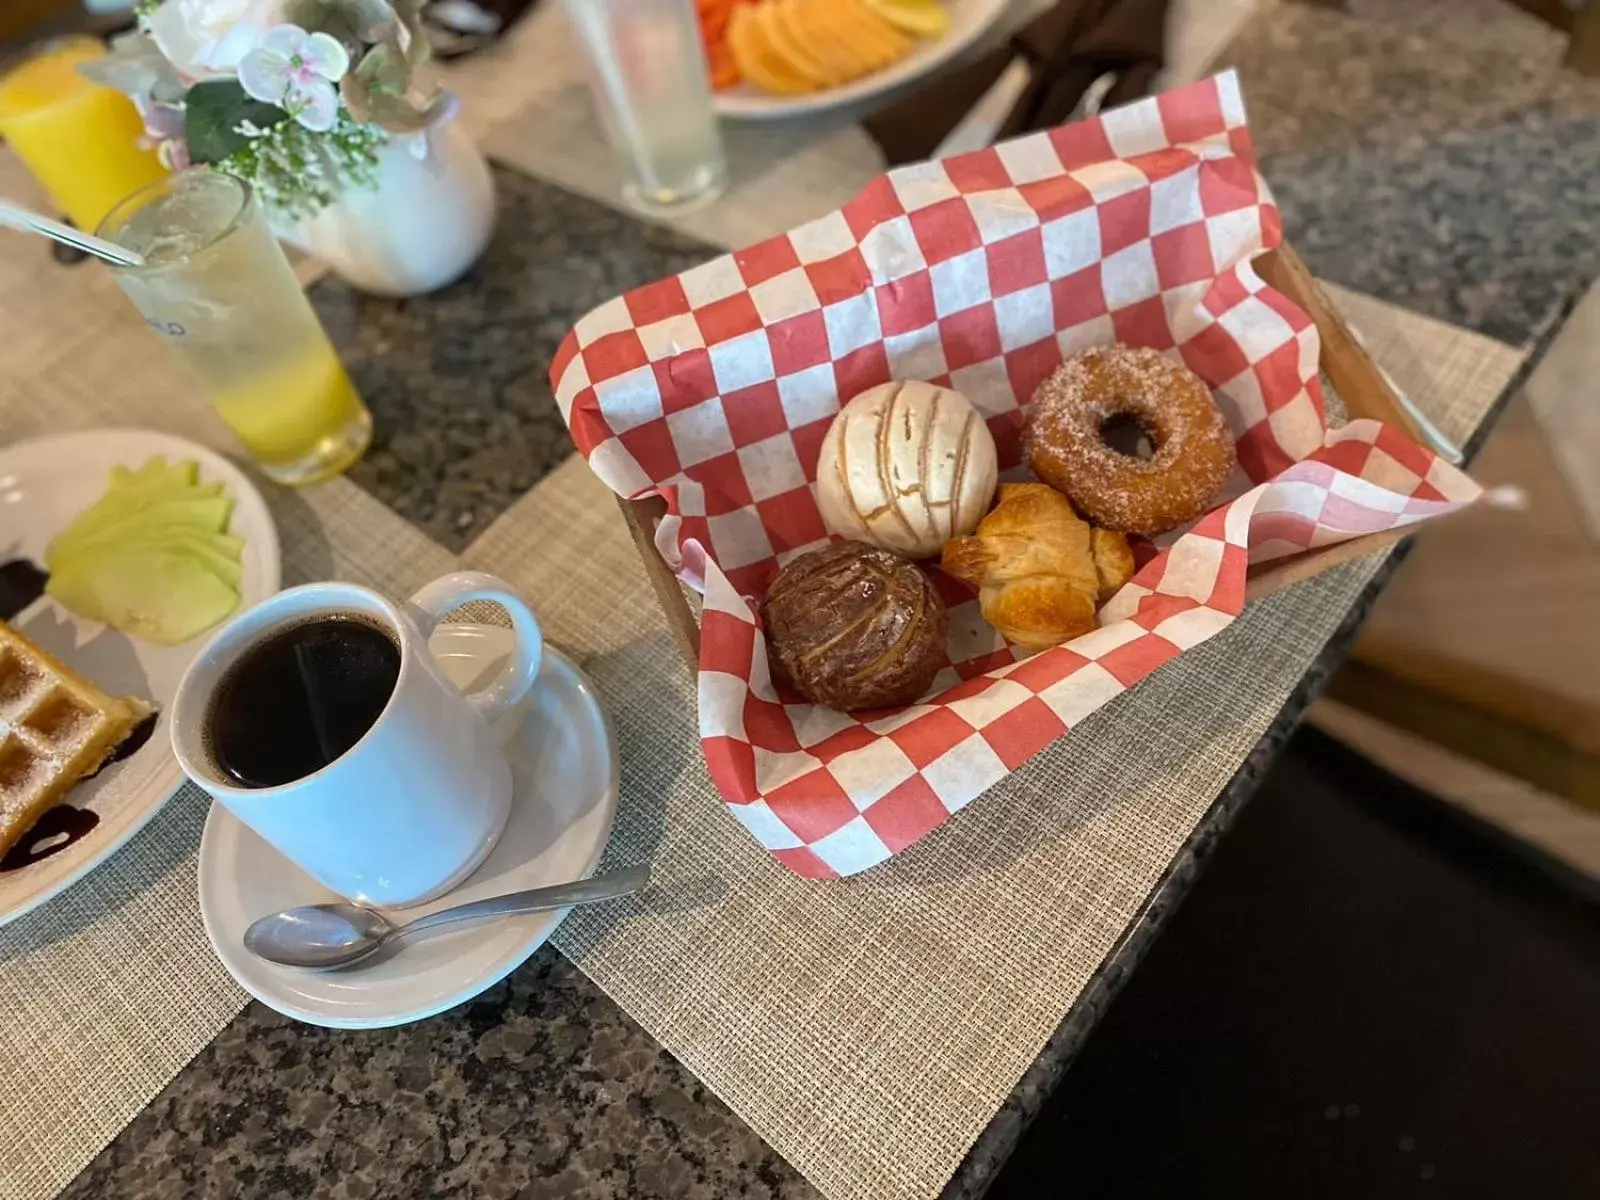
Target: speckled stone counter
{"type": "Point", "coordinates": [542, 1086]}
{"type": "Point", "coordinates": [1436, 181]}
{"type": "Point", "coordinates": [458, 381]}
{"type": "Point", "coordinates": [1432, 153]}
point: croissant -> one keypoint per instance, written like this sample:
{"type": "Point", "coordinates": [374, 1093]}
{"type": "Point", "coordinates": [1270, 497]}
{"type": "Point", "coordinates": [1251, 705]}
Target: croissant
{"type": "Point", "coordinates": [1041, 570]}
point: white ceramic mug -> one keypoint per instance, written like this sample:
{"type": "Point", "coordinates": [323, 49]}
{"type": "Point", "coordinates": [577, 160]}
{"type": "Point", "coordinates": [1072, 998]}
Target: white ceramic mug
{"type": "Point", "coordinates": [416, 805]}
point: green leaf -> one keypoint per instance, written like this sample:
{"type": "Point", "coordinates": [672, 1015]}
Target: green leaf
{"type": "Point", "coordinates": [215, 110]}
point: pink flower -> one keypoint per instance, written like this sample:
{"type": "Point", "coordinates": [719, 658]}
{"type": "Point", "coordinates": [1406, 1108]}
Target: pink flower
{"type": "Point", "coordinates": [164, 132]}
{"type": "Point", "coordinates": [297, 71]}
{"type": "Point", "coordinates": [161, 121]}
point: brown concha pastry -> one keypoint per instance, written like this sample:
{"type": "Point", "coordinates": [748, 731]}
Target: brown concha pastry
{"type": "Point", "coordinates": [851, 626]}
{"type": "Point", "coordinates": [1192, 450]}
{"type": "Point", "coordinates": [1041, 570]}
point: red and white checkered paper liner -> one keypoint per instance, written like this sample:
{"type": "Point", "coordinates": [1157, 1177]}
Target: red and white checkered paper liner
{"type": "Point", "coordinates": [714, 388]}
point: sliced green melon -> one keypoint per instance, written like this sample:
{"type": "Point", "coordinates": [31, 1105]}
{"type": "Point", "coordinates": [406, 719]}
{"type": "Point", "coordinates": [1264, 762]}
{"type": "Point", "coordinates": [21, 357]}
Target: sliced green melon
{"type": "Point", "coordinates": [151, 557]}
{"type": "Point", "coordinates": [145, 532]}
{"type": "Point", "coordinates": [156, 474]}
{"type": "Point", "coordinates": [221, 552]}
{"type": "Point", "coordinates": [154, 468]}
{"type": "Point", "coordinates": [201, 509]}
{"type": "Point", "coordinates": [119, 502]}
{"type": "Point", "coordinates": [165, 596]}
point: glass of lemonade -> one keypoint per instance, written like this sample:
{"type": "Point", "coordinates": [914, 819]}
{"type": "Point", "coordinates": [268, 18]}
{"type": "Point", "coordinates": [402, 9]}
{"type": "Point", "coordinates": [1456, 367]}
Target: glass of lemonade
{"type": "Point", "coordinates": [647, 71]}
{"type": "Point", "coordinates": [216, 286]}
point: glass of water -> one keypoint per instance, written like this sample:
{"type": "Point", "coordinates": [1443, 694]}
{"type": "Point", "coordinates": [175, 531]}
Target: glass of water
{"type": "Point", "coordinates": [648, 74]}
{"type": "Point", "coordinates": [216, 286]}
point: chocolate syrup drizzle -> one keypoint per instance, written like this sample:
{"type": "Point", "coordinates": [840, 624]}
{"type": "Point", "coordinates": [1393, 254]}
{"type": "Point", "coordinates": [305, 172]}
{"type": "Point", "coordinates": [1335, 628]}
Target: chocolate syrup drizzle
{"type": "Point", "coordinates": [21, 583]}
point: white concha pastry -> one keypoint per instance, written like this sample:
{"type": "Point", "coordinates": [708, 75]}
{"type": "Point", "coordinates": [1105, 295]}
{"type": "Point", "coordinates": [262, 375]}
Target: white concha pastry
{"type": "Point", "coordinates": [906, 467]}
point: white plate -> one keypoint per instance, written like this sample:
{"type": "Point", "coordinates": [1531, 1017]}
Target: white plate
{"type": "Point", "coordinates": [564, 764]}
{"type": "Point", "coordinates": [44, 484]}
{"type": "Point", "coordinates": [969, 20]}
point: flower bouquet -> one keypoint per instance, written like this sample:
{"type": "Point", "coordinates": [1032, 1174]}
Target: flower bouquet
{"type": "Point", "coordinates": [307, 101]}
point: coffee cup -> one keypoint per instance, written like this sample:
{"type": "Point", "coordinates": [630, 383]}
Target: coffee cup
{"type": "Point", "coordinates": [389, 800]}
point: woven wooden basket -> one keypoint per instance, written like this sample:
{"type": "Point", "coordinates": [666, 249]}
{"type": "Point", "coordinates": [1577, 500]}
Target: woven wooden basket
{"type": "Point", "coordinates": [1365, 390]}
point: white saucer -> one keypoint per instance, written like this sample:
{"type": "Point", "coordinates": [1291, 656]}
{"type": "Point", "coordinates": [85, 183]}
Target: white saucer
{"type": "Point", "coordinates": [564, 763]}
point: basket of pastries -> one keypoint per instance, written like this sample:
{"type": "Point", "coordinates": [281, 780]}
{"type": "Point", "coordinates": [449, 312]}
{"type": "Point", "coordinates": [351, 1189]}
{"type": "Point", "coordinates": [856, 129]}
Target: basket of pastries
{"type": "Point", "coordinates": [952, 467]}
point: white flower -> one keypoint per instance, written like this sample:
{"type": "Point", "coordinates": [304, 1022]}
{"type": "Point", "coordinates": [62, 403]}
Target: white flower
{"type": "Point", "coordinates": [207, 38]}
{"type": "Point", "coordinates": [297, 70]}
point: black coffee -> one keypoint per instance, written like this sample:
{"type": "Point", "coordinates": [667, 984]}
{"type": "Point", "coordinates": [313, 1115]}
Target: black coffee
{"type": "Point", "coordinates": [300, 698]}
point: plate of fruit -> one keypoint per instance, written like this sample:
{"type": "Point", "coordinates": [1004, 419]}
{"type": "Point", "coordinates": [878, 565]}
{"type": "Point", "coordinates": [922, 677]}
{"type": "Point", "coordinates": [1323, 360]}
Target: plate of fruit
{"type": "Point", "coordinates": [784, 58]}
{"type": "Point", "coordinates": [120, 550]}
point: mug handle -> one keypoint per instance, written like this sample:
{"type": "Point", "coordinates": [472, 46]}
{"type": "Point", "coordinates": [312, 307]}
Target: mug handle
{"type": "Point", "coordinates": [444, 595]}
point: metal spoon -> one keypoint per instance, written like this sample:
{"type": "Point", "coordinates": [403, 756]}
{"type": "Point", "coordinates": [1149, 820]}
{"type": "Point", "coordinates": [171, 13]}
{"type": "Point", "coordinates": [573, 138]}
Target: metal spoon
{"type": "Point", "coordinates": [320, 937]}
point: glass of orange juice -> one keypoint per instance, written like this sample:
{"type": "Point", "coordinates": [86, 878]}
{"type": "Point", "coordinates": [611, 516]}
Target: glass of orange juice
{"type": "Point", "coordinates": [82, 140]}
{"type": "Point", "coordinates": [216, 286]}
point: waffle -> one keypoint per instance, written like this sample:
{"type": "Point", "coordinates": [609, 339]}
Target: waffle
{"type": "Point", "coordinates": [55, 728]}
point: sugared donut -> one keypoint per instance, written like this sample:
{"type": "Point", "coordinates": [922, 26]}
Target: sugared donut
{"type": "Point", "coordinates": [1065, 443]}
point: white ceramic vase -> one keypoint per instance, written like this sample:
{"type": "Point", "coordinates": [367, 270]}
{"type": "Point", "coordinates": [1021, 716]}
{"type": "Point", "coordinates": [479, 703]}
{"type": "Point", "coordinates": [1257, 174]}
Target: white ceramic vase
{"type": "Point", "coordinates": [423, 225]}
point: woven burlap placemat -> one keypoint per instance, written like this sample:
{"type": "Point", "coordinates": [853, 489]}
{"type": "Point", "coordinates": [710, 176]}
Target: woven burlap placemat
{"type": "Point", "coordinates": [869, 1028]}
{"type": "Point", "coordinates": [110, 988]}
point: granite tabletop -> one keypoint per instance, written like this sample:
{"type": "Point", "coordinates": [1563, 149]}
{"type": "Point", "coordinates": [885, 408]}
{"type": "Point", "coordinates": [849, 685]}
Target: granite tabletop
{"type": "Point", "coordinates": [1432, 153]}
{"type": "Point", "coordinates": [542, 1086]}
